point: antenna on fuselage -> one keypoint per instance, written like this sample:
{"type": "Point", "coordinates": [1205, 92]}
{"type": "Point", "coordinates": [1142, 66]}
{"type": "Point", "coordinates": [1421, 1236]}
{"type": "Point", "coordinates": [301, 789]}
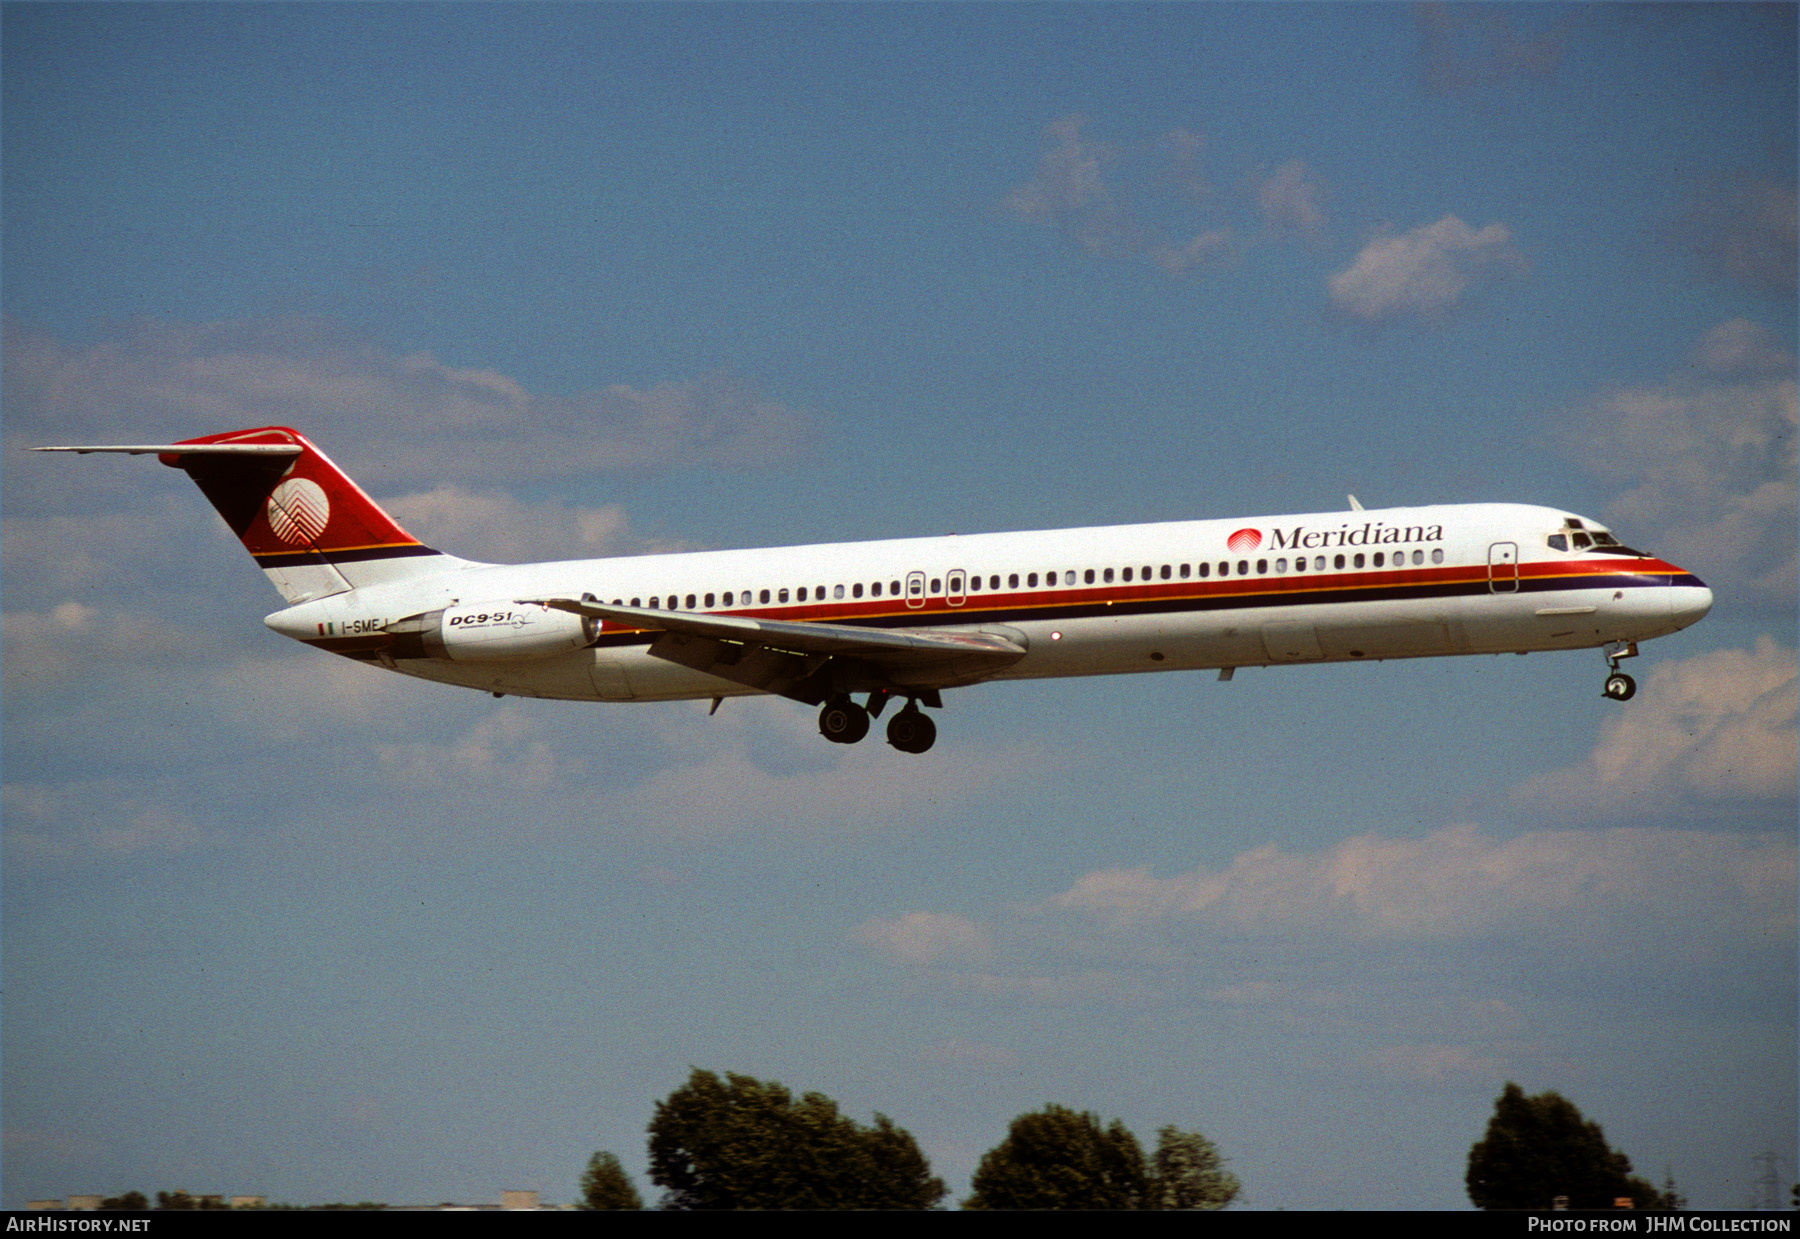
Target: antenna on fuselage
{"type": "Point", "coordinates": [1355, 503]}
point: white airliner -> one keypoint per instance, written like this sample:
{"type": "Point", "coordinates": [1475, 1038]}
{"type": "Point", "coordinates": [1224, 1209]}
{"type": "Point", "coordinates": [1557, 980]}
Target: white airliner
{"type": "Point", "coordinates": [909, 618]}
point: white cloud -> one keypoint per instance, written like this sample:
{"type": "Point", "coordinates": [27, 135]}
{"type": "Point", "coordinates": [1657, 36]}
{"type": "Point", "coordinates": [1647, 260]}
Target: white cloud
{"type": "Point", "coordinates": [1458, 884]}
{"type": "Point", "coordinates": [494, 527]}
{"type": "Point", "coordinates": [1292, 199]}
{"type": "Point", "coordinates": [922, 938]}
{"type": "Point", "coordinates": [1423, 273]}
{"type": "Point", "coordinates": [1069, 189]}
{"type": "Point", "coordinates": [673, 771]}
{"type": "Point", "coordinates": [1713, 456]}
{"type": "Point", "coordinates": [41, 648]}
{"type": "Point", "coordinates": [1743, 347]}
{"type": "Point", "coordinates": [1473, 46]}
{"type": "Point", "coordinates": [1718, 726]}
{"type": "Point", "coordinates": [89, 822]}
{"type": "Point", "coordinates": [1205, 246]}
{"type": "Point", "coordinates": [1743, 231]}
{"type": "Point", "coordinates": [1437, 1064]}
{"type": "Point", "coordinates": [381, 415]}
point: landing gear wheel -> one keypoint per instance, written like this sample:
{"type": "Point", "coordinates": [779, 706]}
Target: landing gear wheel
{"type": "Point", "coordinates": [842, 721]}
{"type": "Point", "coordinates": [911, 732]}
{"type": "Point", "coordinates": [1620, 687]}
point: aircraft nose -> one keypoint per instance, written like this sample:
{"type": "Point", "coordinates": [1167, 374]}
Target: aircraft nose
{"type": "Point", "coordinates": [1688, 604]}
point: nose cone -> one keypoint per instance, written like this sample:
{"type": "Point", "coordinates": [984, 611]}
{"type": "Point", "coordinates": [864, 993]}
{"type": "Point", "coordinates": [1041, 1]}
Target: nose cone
{"type": "Point", "coordinates": [1688, 604]}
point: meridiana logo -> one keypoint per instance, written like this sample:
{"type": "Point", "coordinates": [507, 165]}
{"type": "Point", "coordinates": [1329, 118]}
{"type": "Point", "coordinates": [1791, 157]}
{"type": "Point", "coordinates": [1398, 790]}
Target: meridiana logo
{"type": "Point", "coordinates": [298, 510]}
{"type": "Point", "coordinates": [1245, 540]}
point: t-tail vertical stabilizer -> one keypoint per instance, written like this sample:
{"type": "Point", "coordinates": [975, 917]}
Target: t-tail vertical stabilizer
{"type": "Point", "coordinates": [310, 528]}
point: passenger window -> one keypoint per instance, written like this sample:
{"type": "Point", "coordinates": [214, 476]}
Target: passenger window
{"type": "Point", "coordinates": [1147, 573]}
{"type": "Point", "coordinates": [1012, 582]}
{"type": "Point", "coordinates": [800, 596]}
{"type": "Point", "coordinates": [1243, 567]}
{"type": "Point", "coordinates": [1167, 572]}
{"type": "Point", "coordinates": [1337, 561]}
{"type": "Point", "coordinates": [1300, 563]}
{"type": "Point", "coordinates": [1031, 581]}
{"type": "Point", "coordinates": [782, 596]}
{"type": "Point", "coordinates": [709, 601]}
{"type": "Point", "coordinates": [1358, 561]}
{"type": "Point", "coordinates": [1262, 567]}
{"type": "Point", "coordinates": [1437, 556]}
{"type": "Point", "coordinates": [690, 602]}
{"type": "Point", "coordinates": [1090, 576]}
{"type": "Point", "coordinates": [674, 603]}
{"type": "Point", "coordinates": [994, 582]}
{"type": "Point", "coordinates": [1127, 574]}
{"type": "Point", "coordinates": [1377, 561]}
{"type": "Point", "coordinates": [1281, 565]}
{"type": "Point", "coordinates": [1205, 570]}
{"type": "Point", "coordinates": [875, 589]}
{"type": "Point", "coordinates": [727, 597]}
{"type": "Point", "coordinates": [1318, 563]}
{"type": "Point", "coordinates": [837, 591]}
{"type": "Point", "coordinates": [1224, 568]}
{"type": "Point", "coordinates": [937, 585]}
{"type": "Point", "coordinates": [894, 588]}
{"type": "Point", "coordinates": [765, 595]}
{"type": "Point", "coordinates": [856, 590]}
{"type": "Point", "coordinates": [974, 585]}
{"type": "Point", "coordinates": [653, 605]}
{"type": "Point", "coordinates": [1184, 572]}
{"type": "Point", "coordinates": [636, 602]}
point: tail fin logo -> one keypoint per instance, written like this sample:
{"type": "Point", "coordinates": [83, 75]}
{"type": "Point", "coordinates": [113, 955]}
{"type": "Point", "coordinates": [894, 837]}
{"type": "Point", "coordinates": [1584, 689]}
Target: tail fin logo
{"type": "Point", "coordinates": [298, 511]}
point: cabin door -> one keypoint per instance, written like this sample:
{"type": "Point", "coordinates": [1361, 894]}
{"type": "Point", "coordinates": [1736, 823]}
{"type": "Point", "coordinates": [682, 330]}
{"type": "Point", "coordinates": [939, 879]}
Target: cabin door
{"type": "Point", "coordinates": [1503, 568]}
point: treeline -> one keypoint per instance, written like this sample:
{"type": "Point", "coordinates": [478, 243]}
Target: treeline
{"type": "Point", "coordinates": [742, 1143]}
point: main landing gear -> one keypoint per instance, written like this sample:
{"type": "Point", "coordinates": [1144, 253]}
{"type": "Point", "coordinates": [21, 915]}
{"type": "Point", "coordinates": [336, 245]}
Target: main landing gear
{"type": "Point", "coordinates": [842, 721]}
{"type": "Point", "coordinates": [1619, 686]}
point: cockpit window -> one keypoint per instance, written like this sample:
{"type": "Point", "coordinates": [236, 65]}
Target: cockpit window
{"type": "Point", "coordinates": [1576, 536]}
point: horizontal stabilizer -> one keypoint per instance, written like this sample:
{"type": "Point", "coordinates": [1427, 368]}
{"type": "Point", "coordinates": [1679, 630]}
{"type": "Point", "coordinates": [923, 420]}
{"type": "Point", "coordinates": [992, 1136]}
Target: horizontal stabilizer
{"type": "Point", "coordinates": [185, 449]}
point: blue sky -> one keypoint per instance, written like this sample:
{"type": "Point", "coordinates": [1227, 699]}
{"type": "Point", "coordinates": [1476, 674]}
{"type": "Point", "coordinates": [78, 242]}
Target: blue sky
{"type": "Point", "coordinates": [608, 279]}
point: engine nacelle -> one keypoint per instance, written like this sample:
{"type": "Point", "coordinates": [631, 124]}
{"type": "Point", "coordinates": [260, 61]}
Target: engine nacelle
{"type": "Point", "coordinates": [504, 632]}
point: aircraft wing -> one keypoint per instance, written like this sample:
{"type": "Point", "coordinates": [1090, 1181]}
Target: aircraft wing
{"type": "Point", "coordinates": [807, 661]}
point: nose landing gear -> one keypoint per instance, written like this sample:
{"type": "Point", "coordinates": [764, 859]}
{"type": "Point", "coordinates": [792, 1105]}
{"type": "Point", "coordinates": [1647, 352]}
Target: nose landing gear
{"type": "Point", "coordinates": [1619, 686]}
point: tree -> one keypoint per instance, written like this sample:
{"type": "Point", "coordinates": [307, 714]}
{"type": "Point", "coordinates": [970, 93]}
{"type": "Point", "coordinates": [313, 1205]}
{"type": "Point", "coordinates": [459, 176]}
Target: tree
{"type": "Point", "coordinates": [741, 1143]}
{"type": "Point", "coordinates": [130, 1200]}
{"type": "Point", "coordinates": [605, 1185]}
{"type": "Point", "coordinates": [1539, 1148]}
{"type": "Point", "coordinates": [1189, 1173]}
{"type": "Point", "coordinates": [1055, 1158]}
